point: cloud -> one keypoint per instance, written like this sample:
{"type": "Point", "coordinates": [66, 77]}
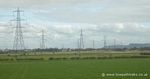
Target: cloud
{"type": "Point", "coordinates": [62, 20]}
{"type": "Point", "coordinates": [39, 3]}
{"type": "Point", "coordinates": [85, 11]}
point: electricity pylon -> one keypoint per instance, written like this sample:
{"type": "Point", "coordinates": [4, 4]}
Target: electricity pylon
{"type": "Point", "coordinates": [42, 46]}
{"type": "Point", "coordinates": [81, 44]}
{"type": "Point", "coordinates": [105, 42]}
{"type": "Point", "coordinates": [93, 44]}
{"type": "Point", "coordinates": [114, 43]}
{"type": "Point", "coordinates": [18, 40]}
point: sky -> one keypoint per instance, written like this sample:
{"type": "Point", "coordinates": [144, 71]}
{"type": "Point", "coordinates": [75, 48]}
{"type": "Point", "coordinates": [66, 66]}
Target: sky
{"type": "Point", "coordinates": [127, 21]}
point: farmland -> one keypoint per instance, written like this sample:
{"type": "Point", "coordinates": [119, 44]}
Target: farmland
{"type": "Point", "coordinates": [75, 65]}
{"type": "Point", "coordinates": [73, 55]}
{"type": "Point", "coordinates": [74, 69]}
{"type": "Point", "coordinates": [74, 39]}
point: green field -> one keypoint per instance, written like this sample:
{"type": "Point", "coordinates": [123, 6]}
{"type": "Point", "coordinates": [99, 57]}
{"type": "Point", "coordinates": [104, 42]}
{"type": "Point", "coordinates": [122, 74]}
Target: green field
{"type": "Point", "coordinates": [75, 69]}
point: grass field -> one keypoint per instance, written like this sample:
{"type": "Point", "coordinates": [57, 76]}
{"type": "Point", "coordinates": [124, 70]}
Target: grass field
{"type": "Point", "coordinates": [75, 69]}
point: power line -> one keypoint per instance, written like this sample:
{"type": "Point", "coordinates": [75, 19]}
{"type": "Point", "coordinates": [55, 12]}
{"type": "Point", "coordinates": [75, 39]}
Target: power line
{"type": "Point", "coordinates": [18, 40]}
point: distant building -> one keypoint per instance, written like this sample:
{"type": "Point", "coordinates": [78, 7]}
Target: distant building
{"type": "Point", "coordinates": [116, 46]}
{"type": "Point", "coordinates": [131, 45]}
{"type": "Point", "coordinates": [139, 45]}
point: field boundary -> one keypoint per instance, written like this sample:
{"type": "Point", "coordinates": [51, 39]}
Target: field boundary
{"type": "Point", "coordinates": [19, 58]}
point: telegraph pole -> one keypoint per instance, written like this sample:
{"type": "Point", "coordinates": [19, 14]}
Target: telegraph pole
{"type": "Point", "coordinates": [18, 40]}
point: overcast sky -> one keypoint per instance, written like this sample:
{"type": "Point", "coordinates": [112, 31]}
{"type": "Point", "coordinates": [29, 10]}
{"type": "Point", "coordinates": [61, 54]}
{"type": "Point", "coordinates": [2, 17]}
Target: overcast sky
{"type": "Point", "coordinates": [127, 21]}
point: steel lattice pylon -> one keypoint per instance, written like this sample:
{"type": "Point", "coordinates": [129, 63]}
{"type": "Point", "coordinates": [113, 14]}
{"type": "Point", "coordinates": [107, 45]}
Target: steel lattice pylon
{"type": "Point", "coordinates": [81, 42]}
{"type": "Point", "coordinates": [18, 40]}
{"type": "Point", "coordinates": [42, 46]}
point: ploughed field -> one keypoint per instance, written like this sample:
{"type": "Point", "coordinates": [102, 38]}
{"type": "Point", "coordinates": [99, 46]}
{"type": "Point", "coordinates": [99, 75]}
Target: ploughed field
{"type": "Point", "coordinates": [111, 68]}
